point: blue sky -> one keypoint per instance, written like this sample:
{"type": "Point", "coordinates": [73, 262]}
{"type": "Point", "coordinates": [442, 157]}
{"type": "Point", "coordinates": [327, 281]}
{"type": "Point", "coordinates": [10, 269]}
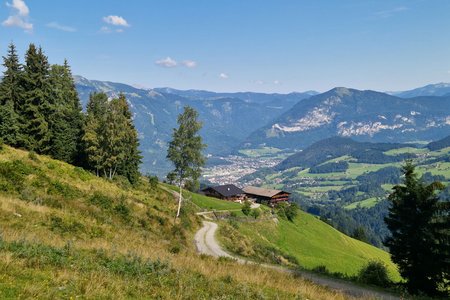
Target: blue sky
{"type": "Point", "coordinates": [252, 45]}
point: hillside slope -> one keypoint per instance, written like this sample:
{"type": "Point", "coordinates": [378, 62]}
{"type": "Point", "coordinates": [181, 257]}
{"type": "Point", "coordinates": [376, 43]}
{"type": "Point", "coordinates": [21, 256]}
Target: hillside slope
{"type": "Point", "coordinates": [68, 234]}
{"type": "Point", "coordinates": [307, 241]}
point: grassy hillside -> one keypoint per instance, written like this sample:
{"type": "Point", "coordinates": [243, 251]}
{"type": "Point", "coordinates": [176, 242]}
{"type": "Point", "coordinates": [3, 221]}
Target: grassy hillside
{"type": "Point", "coordinates": [68, 234]}
{"type": "Point", "coordinates": [308, 241]}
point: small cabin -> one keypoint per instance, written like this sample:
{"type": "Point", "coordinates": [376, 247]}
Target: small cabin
{"type": "Point", "coordinates": [266, 196]}
{"type": "Point", "coordinates": [228, 192]}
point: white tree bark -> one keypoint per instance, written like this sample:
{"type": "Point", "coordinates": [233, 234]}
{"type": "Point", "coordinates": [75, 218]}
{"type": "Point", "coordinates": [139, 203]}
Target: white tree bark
{"type": "Point", "coordinates": [180, 198]}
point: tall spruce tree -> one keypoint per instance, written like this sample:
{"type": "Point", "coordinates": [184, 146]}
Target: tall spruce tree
{"type": "Point", "coordinates": [66, 121]}
{"type": "Point", "coordinates": [93, 133]}
{"type": "Point", "coordinates": [185, 150]}
{"type": "Point", "coordinates": [129, 167]}
{"type": "Point", "coordinates": [36, 110]}
{"type": "Point", "coordinates": [420, 234]}
{"type": "Point", "coordinates": [11, 95]}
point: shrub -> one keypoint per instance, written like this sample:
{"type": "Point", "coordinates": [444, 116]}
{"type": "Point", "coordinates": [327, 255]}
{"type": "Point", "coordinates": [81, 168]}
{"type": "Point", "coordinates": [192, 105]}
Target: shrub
{"type": "Point", "coordinates": [13, 174]}
{"type": "Point", "coordinates": [153, 181]}
{"type": "Point", "coordinates": [123, 211]}
{"type": "Point", "coordinates": [32, 155]}
{"type": "Point", "coordinates": [375, 272]}
{"type": "Point", "coordinates": [62, 189]}
{"type": "Point", "coordinates": [59, 225]}
{"type": "Point", "coordinates": [255, 213]}
{"type": "Point", "coordinates": [246, 208]}
{"type": "Point", "coordinates": [81, 173]}
{"type": "Point", "coordinates": [51, 165]}
{"type": "Point", "coordinates": [287, 210]}
{"type": "Point", "coordinates": [101, 200]}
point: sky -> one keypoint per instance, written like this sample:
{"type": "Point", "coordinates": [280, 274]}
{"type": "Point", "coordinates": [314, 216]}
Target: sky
{"type": "Point", "coordinates": [239, 45]}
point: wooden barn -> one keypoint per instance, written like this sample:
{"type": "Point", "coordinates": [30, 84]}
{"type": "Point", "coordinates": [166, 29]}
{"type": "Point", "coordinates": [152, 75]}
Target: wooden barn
{"type": "Point", "coordinates": [266, 196]}
{"type": "Point", "coordinates": [225, 192]}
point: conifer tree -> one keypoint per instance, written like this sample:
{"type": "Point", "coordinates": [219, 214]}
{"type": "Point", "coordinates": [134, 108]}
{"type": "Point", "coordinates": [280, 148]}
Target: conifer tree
{"type": "Point", "coordinates": [185, 150]}
{"type": "Point", "coordinates": [10, 97]}
{"type": "Point", "coordinates": [129, 167]}
{"type": "Point", "coordinates": [66, 120]}
{"type": "Point", "coordinates": [420, 234]}
{"type": "Point", "coordinates": [36, 109]}
{"type": "Point", "coordinates": [94, 128]}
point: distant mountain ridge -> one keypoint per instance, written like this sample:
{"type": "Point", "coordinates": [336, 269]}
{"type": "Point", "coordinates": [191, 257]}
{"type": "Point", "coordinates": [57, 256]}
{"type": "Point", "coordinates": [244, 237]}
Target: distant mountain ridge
{"type": "Point", "coordinates": [228, 118]}
{"type": "Point", "coordinates": [437, 89]}
{"type": "Point", "coordinates": [361, 115]}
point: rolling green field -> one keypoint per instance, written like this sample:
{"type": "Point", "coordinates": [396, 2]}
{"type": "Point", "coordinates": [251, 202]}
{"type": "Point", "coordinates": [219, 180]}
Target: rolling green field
{"type": "Point", "coordinates": [367, 203]}
{"type": "Point", "coordinates": [313, 243]}
{"type": "Point", "coordinates": [264, 151]}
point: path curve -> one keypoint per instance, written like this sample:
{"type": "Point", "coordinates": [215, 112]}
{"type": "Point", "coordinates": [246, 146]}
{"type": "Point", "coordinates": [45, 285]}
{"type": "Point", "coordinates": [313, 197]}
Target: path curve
{"type": "Point", "coordinates": [206, 243]}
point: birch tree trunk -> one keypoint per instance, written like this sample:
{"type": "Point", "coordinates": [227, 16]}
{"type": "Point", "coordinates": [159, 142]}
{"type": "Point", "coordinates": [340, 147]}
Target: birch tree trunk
{"type": "Point", "coordinates": [180, 198]}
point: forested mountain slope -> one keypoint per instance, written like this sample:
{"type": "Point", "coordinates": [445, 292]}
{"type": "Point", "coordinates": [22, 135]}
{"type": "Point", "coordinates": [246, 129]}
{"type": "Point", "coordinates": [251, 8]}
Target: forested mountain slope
{"type": "Point", "coordinates": [362, 115]}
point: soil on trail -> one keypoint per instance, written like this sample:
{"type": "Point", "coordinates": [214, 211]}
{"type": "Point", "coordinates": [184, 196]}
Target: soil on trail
{"type": "Point", "coordinates": [206, 243]}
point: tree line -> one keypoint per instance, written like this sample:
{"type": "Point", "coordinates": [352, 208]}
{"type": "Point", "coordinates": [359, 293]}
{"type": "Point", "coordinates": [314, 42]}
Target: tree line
{"type": "Point", "coordinates": [40, 111]}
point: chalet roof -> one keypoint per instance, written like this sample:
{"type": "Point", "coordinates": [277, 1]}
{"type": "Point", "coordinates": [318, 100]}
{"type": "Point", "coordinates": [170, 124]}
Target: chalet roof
{"type": "Point", "coordinates": [261, 191]}
{"type": "Point", "coordinates": [227, 190]}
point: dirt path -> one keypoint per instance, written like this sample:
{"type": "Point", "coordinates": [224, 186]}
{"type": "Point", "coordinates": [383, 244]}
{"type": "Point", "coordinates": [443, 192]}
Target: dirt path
{"type": "Point", "coordinates": [206, 243]}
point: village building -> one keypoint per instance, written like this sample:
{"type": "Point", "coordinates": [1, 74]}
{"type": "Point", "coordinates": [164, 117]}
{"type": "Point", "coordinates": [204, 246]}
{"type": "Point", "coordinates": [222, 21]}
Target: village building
{"type": "Point", "coordinates": [266, 196]}
{"type": "Point", "coordinates": [225, 192]}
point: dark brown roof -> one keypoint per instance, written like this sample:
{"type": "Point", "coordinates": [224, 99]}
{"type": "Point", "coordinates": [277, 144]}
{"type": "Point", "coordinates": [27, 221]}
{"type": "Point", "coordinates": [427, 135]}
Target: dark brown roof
{"type": "Point", "coordinates": [227, 190]}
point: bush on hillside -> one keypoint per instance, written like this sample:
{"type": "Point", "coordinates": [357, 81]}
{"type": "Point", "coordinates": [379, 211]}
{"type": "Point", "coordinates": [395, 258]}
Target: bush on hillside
{"type": "Point", "coordinates": [153, 181]}
{"type": "Point", "coordinates": [287, 211]}
{"type": "Point", "coordinates": [100, 200]}
{"type": "Point", "coordinates": [33, 156]}
{"type": "Point", "coordinates": [375, 273]}
{"type": "Point", "coordinates": [246, 209]}
{"type": "Point", "coordinates": [255, 213]}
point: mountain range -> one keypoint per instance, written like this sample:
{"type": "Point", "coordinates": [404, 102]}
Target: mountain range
{"type": "Point", "coordinates": [233, 121]}
{"type": "Point", "coordinates": [362, 115]}
{"type": "Point", "coordinates": [228, 118]}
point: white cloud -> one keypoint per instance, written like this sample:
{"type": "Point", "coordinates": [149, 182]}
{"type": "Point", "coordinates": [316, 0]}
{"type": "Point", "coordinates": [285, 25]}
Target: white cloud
{"type": "Point", "coordinates": [17, 21]}
{"type": "Point", "coordinates": [223, 76]}
{"type": "Point", "coordinates": [277, 82]}
{"type": "Point", "coordinates": [390, 12]}
{"type": "Point", "coordinates": [56, 25]}
{"type": "Point", "coordinates": [20, 6]}
{"type": "Point", "coordinates": [116, 21]}
{"type": "Point", "coordinates": [259, 82]}
{"type": "Point", "coordinates": [20, 16]}
{"type": "Point", "coordinates": [189, 63]}
{"type": "Point", "coordinates": [166, 62]}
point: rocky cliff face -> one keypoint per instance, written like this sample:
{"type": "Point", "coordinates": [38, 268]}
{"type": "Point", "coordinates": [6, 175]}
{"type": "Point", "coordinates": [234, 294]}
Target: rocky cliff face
{"type": "Point", "coordinates": [364, 115]}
